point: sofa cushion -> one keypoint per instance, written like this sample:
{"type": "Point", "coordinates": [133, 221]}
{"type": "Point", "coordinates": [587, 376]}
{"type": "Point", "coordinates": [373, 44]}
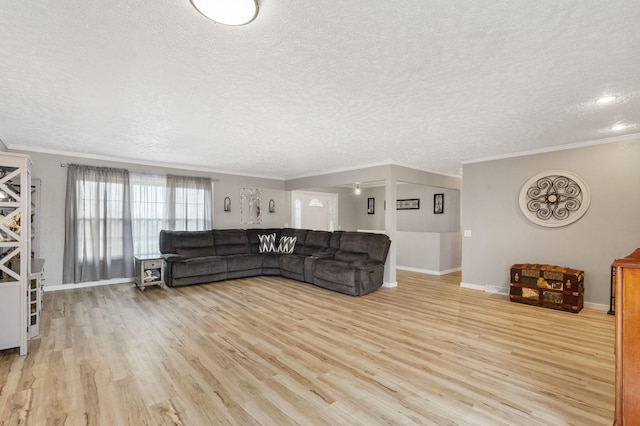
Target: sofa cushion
{"type": "Point", "coordinates": [243, 262]}
{"type": "Point", "coordinates": [230, 241]}
{"type": "Point", "coordinates": [267, 243]}
{"type": "Point", "coordinates": [292, 263]}
{"type": "Point", "coordinates": [287, 244]}
{"type": "Point", "coordinates": [196, 266]}
{"type": "Point", "coordinates": [271, 260]}
{"type": "Point", "coordinates": [254, 242]}
{"type": "Point", "coordinates": [301, 236]}
{"type": "Point", "coordinates": [335, 271]}
{"type": "Point", "coordinates": [316, 242]}
{"type": "Point", "coordinates": [349, 256]}
{"type": "Point", "coordinates": [375, 246]}
{"type": "Point", "coordinates": [196, 251]}
{"type": "Point", "coordinates": [171, 240]}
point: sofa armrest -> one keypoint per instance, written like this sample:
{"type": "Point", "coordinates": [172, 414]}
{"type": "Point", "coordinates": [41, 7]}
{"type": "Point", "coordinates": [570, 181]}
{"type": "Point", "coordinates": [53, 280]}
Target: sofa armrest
{"type": "Point", "coordinates": [172, 257]}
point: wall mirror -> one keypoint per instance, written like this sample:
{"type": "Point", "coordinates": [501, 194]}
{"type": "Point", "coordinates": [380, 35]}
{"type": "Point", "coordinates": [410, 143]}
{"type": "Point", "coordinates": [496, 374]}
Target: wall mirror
{"type": "Point", "coordinates": [250, 206]}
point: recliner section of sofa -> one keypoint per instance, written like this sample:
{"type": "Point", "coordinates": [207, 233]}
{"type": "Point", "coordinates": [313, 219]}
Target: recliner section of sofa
{"type": "Point", "coordinates": [347, 262]}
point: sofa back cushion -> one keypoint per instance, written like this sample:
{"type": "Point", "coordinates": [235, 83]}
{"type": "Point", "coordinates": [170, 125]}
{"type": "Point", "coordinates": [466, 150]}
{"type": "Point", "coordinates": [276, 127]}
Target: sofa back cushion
{"type": "Point", "coordinates": [172, 241]}
{"type": "Point", "coordinates": [335, 239]}
{"type": "Point", "coordinates": [363, 246]}
{"type": "Point", "coordinates": [316, 242]}
{"type": "Point", "coordinates": [196, 251]}
{"type": "Point", "coordinates": [301, 236]}
{"type": "Point", "coordinates": [254, 241]}
{"type": "Point", "coordinates": [230, 241]}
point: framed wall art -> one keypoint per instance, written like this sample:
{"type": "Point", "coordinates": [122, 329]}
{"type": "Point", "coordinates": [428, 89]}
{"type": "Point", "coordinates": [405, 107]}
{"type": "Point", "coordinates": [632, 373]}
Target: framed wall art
{"type": "Point", "coordinates": [438, 203]}
{"type": "Point", "coordinates": [408, 204]}
{"type": "Point", "coordinates": [371, 205]}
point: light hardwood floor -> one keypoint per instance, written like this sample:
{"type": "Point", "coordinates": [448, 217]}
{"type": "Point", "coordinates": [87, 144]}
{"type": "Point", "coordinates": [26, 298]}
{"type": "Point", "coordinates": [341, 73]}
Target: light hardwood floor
{"type": "Point", "coordinates": [276, 352]}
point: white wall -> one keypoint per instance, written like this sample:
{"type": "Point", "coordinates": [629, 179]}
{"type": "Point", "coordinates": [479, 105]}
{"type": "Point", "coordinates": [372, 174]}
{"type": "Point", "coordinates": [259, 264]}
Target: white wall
{"type": "Point", "coordinates": [502, 236]}
{"type": "Point", "coordinates": [52, 208]}
{"type": "Point", "coordinates": [429, 252]}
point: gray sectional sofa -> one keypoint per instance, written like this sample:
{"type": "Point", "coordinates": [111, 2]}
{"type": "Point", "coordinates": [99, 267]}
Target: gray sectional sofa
{"type": "Point", "coordinates": [343, 261]}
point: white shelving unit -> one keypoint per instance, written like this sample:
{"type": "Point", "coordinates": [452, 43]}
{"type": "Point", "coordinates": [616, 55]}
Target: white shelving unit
{"type": "Point", "coordinates": [36, 184]}
{"type": "Point", "coordinates": [15, 249]}
{"type": "Point", "coordinates": [34, 297]}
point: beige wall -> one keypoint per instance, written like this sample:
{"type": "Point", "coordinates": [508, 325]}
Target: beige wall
{"type": "Point", "coordinates": [52, 202]}
{"type": "Point", "coordinates": [502, 236]}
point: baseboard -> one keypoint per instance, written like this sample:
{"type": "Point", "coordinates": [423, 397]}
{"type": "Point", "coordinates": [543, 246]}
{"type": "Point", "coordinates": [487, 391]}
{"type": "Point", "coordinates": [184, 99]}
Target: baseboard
{"type": "Point", "coordinates": [87, 284]}
{"type": "Point", "coordinates": [428, 271]}
{"type": "Point", "coordinates": [494, 289]}
{"type": "Point", "coordinates": [505, 291]}
{"type": "Point", "coordinates": [596, 306]}
{"type": "Point", "coordinates": [390, 285]}
{"type": "Point", "coordinates": [473, 286]}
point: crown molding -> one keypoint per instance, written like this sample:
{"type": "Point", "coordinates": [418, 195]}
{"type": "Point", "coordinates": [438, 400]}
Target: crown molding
{"type": "Point", "coordinates": [380, 164]}
{"type": "Point", "coordinates": [28, 148]}
{"type": "Point", "coordinates": [621, 138]}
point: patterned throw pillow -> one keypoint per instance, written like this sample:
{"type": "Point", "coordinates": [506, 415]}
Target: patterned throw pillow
{"type": "Point", "coordinates": [287, 244]}
{"type": "Point", "coordinates": [267, 243]}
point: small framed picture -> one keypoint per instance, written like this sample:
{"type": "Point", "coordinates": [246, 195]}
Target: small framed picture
{"type": "Point", "coordinates": [227, 204]}
{"type": "Point", "coordinates": [438, 203]}
{"type": "Point", "coordinates": [408, 204]}
{"type": "Point", "coordinates": [371, 205]}
{"type": "Point", "coordinates": [272, 206]}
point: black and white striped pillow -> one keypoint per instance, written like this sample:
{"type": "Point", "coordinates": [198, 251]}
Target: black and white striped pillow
{"type": "Point", "coordinates": [287, 244]}
{"type": "Point", "coordinates": [267, 243]}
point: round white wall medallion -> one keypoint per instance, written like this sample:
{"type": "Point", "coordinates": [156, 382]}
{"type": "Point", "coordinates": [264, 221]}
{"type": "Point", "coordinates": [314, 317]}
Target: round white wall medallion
{"type": "Point", "coordinates": [554, 198]}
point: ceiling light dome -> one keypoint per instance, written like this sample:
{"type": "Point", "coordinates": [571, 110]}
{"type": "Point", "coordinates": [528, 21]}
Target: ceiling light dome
{"type": "Point", "coordinates": [606, 100]}
{"type": "Point", "coordinates": [228, 12]}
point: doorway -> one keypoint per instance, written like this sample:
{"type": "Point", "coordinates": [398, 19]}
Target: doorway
{"type": "Point", "coordinates": [314, 210]}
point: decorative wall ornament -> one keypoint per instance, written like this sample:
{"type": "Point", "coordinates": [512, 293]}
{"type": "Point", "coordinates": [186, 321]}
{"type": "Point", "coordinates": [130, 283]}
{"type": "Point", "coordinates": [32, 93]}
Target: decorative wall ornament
{"type": "Point", "coordinates": [250, 205]}
{"type": "Point", "coordinates": [272, 206]}
{"type": "Point", "coordinates": [554, 198]}
{"type": "Point", "coordinates": [227, 204]}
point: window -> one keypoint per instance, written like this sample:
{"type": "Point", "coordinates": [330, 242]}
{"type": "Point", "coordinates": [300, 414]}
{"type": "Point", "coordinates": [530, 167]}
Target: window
{"type": "Point", "coordinates": [298, 214]}
{"type": "Point", "coordinates": [148, 197]}
{"type": "Point", "coordinates": [188, 206]}
{"type": "Point", "coordinates": [112, 215]}
{"type": "Point", "coordinates": [98, 243]}
{"type": "Point", "coordinates": [167, 202]}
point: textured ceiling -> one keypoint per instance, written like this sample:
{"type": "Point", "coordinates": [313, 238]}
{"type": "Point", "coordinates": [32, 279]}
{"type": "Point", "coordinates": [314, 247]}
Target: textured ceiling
{"type": "Point", "coordinates": [311, 87]}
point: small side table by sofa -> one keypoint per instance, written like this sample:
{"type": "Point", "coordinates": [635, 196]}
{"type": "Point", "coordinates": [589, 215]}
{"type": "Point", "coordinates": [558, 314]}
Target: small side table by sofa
{"type": "Point", "coordinates": [149, 271]}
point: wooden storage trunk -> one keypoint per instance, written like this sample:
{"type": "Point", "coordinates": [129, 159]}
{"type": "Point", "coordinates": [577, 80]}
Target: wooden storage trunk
{"type": "Point", "coordinates": [549, 286]}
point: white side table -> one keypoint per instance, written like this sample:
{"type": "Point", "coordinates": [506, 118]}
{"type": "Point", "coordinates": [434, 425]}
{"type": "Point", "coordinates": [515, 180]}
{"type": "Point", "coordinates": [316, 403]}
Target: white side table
{"type": "Point", "coordinates": [149, 271]}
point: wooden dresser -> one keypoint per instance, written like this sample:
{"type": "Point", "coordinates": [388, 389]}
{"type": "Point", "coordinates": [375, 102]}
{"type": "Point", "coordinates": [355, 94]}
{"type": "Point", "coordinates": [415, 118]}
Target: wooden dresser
{"type": "Point", "coordinates": [627, 309]}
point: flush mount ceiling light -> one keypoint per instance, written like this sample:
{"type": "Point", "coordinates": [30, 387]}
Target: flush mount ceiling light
{"type": "Point", "coordinates": [605, 100]}
{"type": "Point", "coordinates": [228, 12]}
{"type": "Point", "coordinates": [618, 127]}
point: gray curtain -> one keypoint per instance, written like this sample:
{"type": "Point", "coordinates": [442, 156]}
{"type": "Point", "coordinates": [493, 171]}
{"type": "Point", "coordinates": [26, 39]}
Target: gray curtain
{"type": "Point", "coordinates": [98, 241]}
{"type": "Point", "coordinates": [188, 205]}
